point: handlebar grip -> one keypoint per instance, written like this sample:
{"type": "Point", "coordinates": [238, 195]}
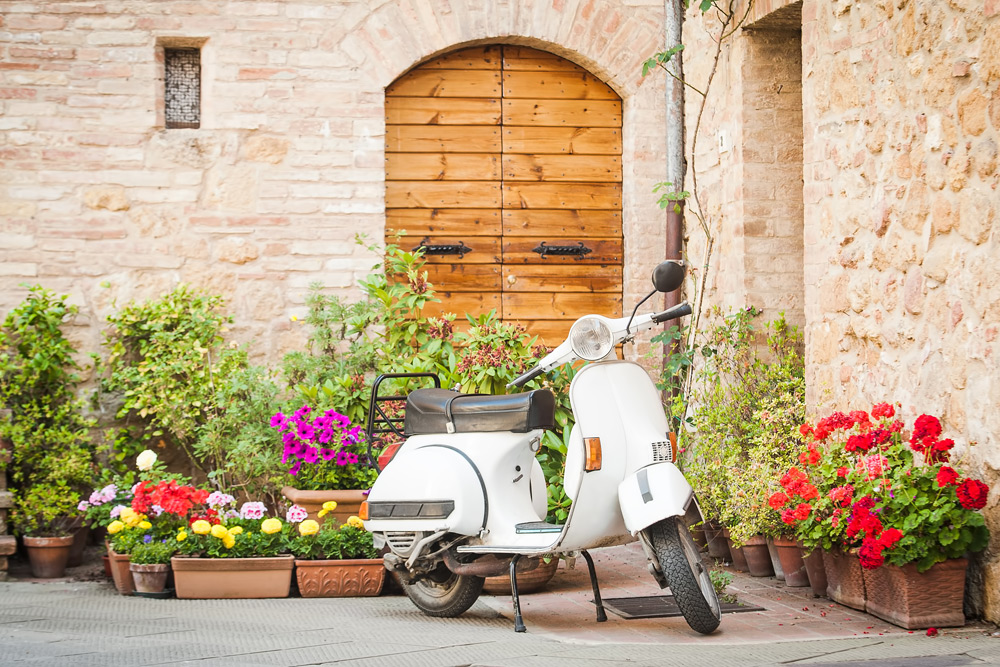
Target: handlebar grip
{"type": "Point", "coordinates": [680, 310]}
{"type": "Point", "coordinates": [527, 377]}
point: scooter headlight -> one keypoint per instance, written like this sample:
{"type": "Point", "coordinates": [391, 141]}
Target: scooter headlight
{"type": "Point", "coordinates": [591, 339]}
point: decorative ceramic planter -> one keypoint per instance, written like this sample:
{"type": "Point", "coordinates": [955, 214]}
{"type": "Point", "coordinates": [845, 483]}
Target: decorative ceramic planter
{"type": "Point", "coordinates": [232, 578]}
{"type": "Point", "coordinates": [845, 581]}
{"type": "Point", "coordinates": [816, 571]}
{"type": "Point", "coordinates": [772, 551]}
{"type": "Point", "coordinates": [736, 553]}
{"type": "Point", "coordinates": [340, 578]}
{"type": "Point", "coordinates": [911, 599]}
{"type": "Point", "coordinates": [718, 546]}
{"type": "Point", "coordinates": [531, 581]}
{"type": "Point", "coordinates": [151, 578]}
{"type": "Point", "coordinates": [120, 572]}
{"type": "Point", "coordinates": [790, 554]}
{"type": "Point", "coordinates": [757, 556]}
{"type": "Point", "coordinates": [348, 503]}
{"type": "Point", "coordinates": [48, 555]}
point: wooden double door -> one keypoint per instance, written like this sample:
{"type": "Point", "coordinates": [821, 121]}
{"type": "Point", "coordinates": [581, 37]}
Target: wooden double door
{"type": "Point", "coordinates": [504, 162]}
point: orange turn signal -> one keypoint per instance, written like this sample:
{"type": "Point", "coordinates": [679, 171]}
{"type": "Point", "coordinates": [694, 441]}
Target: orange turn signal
{"type": "Point", "coordinates": [592, 449]}
{"type": "Point", "coordinates": [363, 511]}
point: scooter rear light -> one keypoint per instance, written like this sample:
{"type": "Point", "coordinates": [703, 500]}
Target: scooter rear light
{"type": "Point", "coordinates": [592, 450]}
{"type": "Point", "coordinates": [363, 511]}
{"type": "Point", "coordinates": [387, 454]}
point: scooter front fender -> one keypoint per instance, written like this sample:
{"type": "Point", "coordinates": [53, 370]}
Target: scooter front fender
{"type": "Point", "coordinates": [654, 493]}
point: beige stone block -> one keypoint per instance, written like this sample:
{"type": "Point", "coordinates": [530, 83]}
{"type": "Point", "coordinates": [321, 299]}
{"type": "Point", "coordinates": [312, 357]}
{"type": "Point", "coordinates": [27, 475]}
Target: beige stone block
{"type": "Point", "coordinates": [261, 148]}
{"type": "Point", "coordinates": [236, 251]}
{"type": "Point", "coordinates": [231, 188]}
{"type": "Point", "coordinates": [942, 217]}
{"type": "Point", "coordinates": [913, 292]}
{"type": "Point", "coordinates": [975, 216]}
{"type": "Point", "coordinates": [989, 56]}
{"type": "Point", "coordinates": [984, 158]}
{"type": "Point", "coordinates": [183, 147]}
{"type": "Point", "coordinates": [937, 261]}
{"type": "Point", "coordinates": [972, 107]}
{"type": "Point", "coordinates": [833, 294]}
{"type": "Point", "coordinates": [111, 198]}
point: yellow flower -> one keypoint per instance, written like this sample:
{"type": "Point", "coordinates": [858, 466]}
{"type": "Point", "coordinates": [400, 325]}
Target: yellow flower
{"type": "Point", "coordinates": [201, 527]}
{"type": "Point", "coordinates": [330, 505]}
{"type": "Point", "coordinates": [127, 514]}
{"type": "Point", "coordinates": [235, 530]}
{"type": "Point", "coordinates": [219, 531]}
{"type": "Point", "coordinates": [270, 526]}
{"type": "Point", "coordinates": [145, 525]}
{"type": "Point", "coordinates": [145, 460]}
{"type": "Point", "coordinates": [181, 536]}
{"type": "Point", "coordinates": [115, 527]}
{"type": "Point", "coordinates": [308, 527]}
{"type": "Point", "coordinates": [355, 522]}
{"type": "Point", "coordinates": [228, 541]}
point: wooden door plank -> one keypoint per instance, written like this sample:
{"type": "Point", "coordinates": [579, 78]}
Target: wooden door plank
{"type": "Point", "coordinates": [442, 166]}
{"type": "Point", "coordinates": [477, 57]}
{"type": "Point", "coordinates": [423, 221]}
{"type": "Point", "coordinates": [576, 277]}
{"type": "Point", "coordinates": [583, 140]}
{"type": "Point", "coordinates": [437, 111]}
{"type": "Point", "coordinates": [544, 223]}
{"type": "Point", "coordinates": [562, 113]}
{"type": "Point", "coordinates": [442, 139]}
{"type": "Point", "coordinates": [549, 332]}
{"type": "Point", "coordinates": [463, 303]}
{"type": "Point", "coordinates": [552, 305]}
{"type": "Point", "coordinates": [425, 82]}
{"type": "Point", "coordinates": [572, 168]}
{"type": "Point", "coordinates": [483, 249]}
{"type": "Point", "coordinates": [552, 85]}
{"type": "Point", "coordinates": [524, 58]}
{"type": "Point", "coordinates": [521, 250]}
{"type": "Point", "coordinates": [558, 195]}
{"type": "Point", "coordinates": [442, 194]}
{"type": "Point", "coordinates": [464, 277]}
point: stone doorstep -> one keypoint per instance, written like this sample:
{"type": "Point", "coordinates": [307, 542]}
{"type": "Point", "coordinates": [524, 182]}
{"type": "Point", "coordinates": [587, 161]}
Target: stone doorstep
{"type": "Point", "coordinates": [8, 545]}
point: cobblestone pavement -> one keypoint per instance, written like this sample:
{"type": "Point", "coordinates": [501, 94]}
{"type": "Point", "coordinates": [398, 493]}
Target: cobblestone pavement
{"type": "Point", "coordinates": [71, 622]}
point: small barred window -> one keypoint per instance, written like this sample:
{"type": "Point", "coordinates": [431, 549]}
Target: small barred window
{"type": "Point", "coordinates": [182, 97]}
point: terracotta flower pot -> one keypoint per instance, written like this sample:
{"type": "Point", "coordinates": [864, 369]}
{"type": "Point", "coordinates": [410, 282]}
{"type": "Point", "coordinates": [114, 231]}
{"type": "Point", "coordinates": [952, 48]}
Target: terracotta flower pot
{"type": "Point", "coordinates": [340, 578]}
{"type": "Point", "coordinates": [232, 578]}
{"type": "Point", "coordinates": [772, 551]}
{"type": "Point", "coordinates": [736, 553]}
{"type": "Point", "coordinates": [718, 546]}
{"type": "Point", "coordinates": [348, 503]}
{"type": "Point", "coordinates": [531, 581]}
{"type": "Point", "coordinates": [48, 555]}
{"type": "Point", "coordinates": [845, 581]}
{"type": "Point", "coordinates": [107, 566]}
{"type": "Point", "coordinates": [120, 572]}
{"type": "Point", "coordinates": [80, 536]}
{"type": "Point", "coordinates": [911, 599]}
{"type": "Point", "coordinates": [757, 556]}
{"type": "Point", "coordinates": [816, 571]}
{"type": "Point", "coordinates": [790, 553]}
{"type": "Point", "coordinates": [151, 578]}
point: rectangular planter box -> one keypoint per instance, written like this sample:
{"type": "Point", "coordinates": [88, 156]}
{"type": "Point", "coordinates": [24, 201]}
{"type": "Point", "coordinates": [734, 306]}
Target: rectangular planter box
{"type": "Point", "coordinates": [340, 578]}
{"type": "Point", "coordinates": [232, 578]}
{"type": "Point", "coordinates": [845, 581]}
{"type": "Point", "coordinates": [912, 599]}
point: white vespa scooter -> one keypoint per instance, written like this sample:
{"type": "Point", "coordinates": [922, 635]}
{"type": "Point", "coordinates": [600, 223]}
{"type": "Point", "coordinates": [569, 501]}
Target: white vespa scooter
{"type": "Point", "coordinates": [463, 497]}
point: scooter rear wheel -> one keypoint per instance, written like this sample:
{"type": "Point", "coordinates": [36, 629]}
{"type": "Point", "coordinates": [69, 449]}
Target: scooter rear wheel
{"type": "Point", "coordinates": [444, 593]}
{"type": "Point", "coordinates": [687, 577]}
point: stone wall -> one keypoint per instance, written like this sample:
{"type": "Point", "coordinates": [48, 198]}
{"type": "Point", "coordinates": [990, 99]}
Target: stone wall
{"type": "Point", "coordinates": [99, 201]}
{"type": "Point", "coordinates": [901, 120]}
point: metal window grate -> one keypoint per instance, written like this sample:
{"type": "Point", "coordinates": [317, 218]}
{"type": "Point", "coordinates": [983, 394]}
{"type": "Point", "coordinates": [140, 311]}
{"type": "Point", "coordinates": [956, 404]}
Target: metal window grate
{"type": "Point", "coordinates": [182, 95]}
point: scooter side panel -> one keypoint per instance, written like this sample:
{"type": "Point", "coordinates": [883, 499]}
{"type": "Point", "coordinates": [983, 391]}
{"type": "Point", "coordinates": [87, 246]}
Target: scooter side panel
{"type": "Point", "coordinates": [652, 494]}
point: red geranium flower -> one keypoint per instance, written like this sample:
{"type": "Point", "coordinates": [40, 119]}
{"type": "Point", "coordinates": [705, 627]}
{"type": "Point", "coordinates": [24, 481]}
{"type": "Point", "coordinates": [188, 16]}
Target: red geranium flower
{"type": "Point", "coordinates": [801, 512]}
{"type": "Point", "coordinates": [842, 471]}
{"type": "Point", "coordinates": [972, 494]}
{"type": "Point", "coordinates": [883, 411]}
{"type": "Point", "coordinates": [777, 501]}
{"type": "Point", "coordinates": [925, 426]}
{"type": "Point", "coordinates": [946, 476]}
{"type": "Point", "coordinates": [889, 537]}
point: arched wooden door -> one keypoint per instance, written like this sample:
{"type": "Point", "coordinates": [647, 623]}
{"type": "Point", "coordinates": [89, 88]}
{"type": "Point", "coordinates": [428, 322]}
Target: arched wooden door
{"type": "Point", "coordinates": [505, 162]}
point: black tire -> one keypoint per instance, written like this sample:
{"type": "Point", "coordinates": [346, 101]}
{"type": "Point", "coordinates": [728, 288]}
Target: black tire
{"type": "Point", "coordinates": [443, 593]}
{"type": "Point", "coordinates": [687, 577]}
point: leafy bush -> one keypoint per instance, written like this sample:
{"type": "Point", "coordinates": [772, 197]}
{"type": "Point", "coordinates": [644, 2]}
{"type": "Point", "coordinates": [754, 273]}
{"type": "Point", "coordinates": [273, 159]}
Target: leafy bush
{"type": "Point", "coordinates": [346, 542]}
{"type": "Point", "coordinates": [153, 553]}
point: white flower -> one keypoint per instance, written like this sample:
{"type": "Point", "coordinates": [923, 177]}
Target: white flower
{"type": "Point", "coordinates": [296, 513]}
{"type": "Point", "coordinates": [145, 460]}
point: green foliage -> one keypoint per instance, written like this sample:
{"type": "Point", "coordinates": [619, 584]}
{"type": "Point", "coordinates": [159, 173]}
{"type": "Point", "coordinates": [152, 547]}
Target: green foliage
{"type": "Point", "coordinates": [720, 580]}
{"type": "Point", "coordinates": [248, 540]}
{"type": "Point", "coordinates": [494, 353]}
{"type": "Point", "coordinates": [750, 398]}
{"type": "Point", "coordinates": [153, 553]}
{"type": "Point", "coordinates": [163, 356]}
{"type": "Point", "coordinates": [331, 543]}
{"type": "Point", "coordinates": [45, 510]}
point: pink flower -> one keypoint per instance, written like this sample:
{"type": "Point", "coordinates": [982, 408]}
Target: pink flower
{"type": "Point", "coordinates": [296, 513]}
{"type": "Point", "coordinates": [82, 506]}
{"type": "Point", "coordinates": [253, 510]}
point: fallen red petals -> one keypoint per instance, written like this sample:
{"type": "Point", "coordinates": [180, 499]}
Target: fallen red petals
{"type": "Point", "coordinates": [805, 608]}
{"type": "Point", "coordinates": [932, 632]}
{"type": "Point", "coordinates": [822, 613]}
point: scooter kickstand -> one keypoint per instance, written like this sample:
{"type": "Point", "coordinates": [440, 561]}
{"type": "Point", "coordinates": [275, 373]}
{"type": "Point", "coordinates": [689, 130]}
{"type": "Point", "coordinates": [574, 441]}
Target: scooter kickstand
{"type": "Point", "coordinates": [518, 621]}
{"type": "Point", "coordinates": [601, 616]}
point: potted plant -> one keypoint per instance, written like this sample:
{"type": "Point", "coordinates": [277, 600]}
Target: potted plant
{"type": "Point", "coordinates": [150, 564]}
{"type": "Point", "coordinates": [892, 503]}
{"type": "Point", "coordinates": [336, 561]}
{"type": "Point", "coordinates": [44, 516]}
{"type": "Point", "coordinates": [236, 555]}
{"type": "Point", "coordinates": [328, 461]}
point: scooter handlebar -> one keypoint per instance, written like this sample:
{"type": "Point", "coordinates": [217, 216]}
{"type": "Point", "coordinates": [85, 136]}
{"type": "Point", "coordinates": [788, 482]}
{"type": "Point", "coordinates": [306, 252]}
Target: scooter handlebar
{"type": "Point", "coordinates": [527, 377]}
{"type": "Point", "coordinates": [680, 310]}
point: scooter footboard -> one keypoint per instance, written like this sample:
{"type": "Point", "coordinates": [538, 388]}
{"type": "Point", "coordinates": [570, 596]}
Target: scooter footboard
{"type": "Point", "coordinates": [654, 493]}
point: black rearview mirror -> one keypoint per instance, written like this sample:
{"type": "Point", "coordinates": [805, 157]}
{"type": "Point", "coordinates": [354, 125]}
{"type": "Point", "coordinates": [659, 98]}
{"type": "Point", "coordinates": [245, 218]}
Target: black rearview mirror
{"type": "Point", "coordinates": [668, 275]}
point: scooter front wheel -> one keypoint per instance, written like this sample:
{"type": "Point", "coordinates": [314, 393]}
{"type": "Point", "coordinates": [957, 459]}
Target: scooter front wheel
{"type": "Point", "coordinates": [687, 577]}
{"type": "Point", "coordinates": [444, 593]}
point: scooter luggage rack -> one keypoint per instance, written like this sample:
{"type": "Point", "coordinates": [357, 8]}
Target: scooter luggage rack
{"type": "Point", "coordinates": [379, 423]}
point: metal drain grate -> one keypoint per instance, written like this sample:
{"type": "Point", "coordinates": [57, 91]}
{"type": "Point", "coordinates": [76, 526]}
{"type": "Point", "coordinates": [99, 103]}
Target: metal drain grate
{"type": "Point", "coordinates": [661, 606]}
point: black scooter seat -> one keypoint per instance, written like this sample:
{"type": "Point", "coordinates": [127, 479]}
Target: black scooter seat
{"type": "Point", "coordinates": [432, 410]}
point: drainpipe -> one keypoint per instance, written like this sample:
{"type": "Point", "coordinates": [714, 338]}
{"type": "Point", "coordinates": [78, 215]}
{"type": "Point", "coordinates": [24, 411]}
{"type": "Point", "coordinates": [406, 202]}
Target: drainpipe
{"type": "Point", "coordinates": [676, 165]}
